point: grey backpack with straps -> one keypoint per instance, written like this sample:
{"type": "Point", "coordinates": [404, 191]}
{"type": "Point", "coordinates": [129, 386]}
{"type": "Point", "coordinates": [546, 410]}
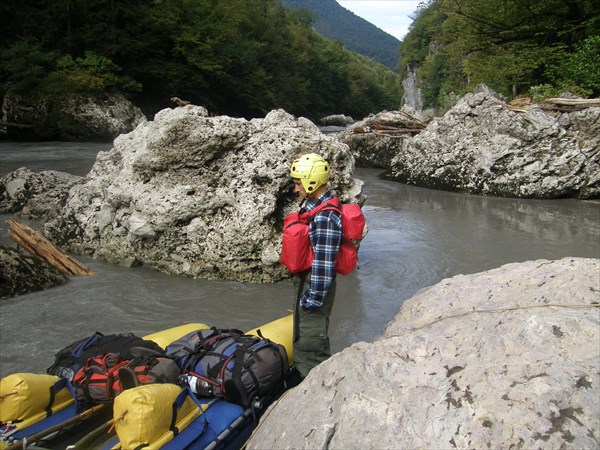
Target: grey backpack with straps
{"type": "Point", "coordinates": [230, 364]}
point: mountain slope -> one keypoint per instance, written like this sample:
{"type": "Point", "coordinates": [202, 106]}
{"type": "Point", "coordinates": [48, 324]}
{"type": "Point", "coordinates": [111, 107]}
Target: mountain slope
{"type": "Point", "coordinates": [355, 33]}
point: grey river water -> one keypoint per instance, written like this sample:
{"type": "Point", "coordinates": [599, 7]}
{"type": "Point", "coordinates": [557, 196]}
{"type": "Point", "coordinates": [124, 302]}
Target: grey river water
{"type": "Point", "coordinates": [417, 237]}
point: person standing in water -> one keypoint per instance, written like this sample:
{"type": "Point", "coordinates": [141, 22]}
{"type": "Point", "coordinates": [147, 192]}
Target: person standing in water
{"type": "Point", "coordinates": [315, 286]}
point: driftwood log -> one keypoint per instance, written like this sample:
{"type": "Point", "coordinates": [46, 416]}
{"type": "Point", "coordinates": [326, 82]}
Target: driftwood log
{"type": "Point", "coordinates": [588, 102]}
{"type": "Point", "coordinates": [400, 123]}
{"type": "Point", "coordinates": [569, 104]}
{"type": "Point", "coordinates": [40, 247]}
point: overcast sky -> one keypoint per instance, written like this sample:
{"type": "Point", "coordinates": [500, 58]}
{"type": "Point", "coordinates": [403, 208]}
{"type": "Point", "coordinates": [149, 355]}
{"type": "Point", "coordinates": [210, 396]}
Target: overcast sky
{"type": "Point", "coordinates": [392, 16]}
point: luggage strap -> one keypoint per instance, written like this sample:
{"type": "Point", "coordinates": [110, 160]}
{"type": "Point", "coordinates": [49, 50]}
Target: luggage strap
{"type": "Point", "coordinates": [199, 425]}
{"type": "Point", "coordinates": [55, 389]}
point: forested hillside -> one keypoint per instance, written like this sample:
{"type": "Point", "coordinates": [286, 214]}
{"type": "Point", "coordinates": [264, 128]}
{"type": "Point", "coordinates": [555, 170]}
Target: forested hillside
{"type": "Point", "coordinates": [539, 48]}
{"type": "Point", "coordinates": [338, 24]}
{"type": "Point", "coordinates": [236, 57]}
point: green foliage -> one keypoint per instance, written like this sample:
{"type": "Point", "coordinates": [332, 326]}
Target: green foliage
{"type": "Point", "coordinates": [336, 23]}
{"type": "Point", "coordinates": [90, 73]}
{"type": "Point", "coordinates": [236, 57]}
{"type": "Point", "coordinates": [580, 68]}
{"type": "Point", "coordinates": [544, 91]}
{"type": "Point", "coordinates": [25, 64]}
{"type": "Point", "coordinates": [510, 46]}
{"type": "Point", "coordinates": [417, 45]}
{"type": "Point", "coordinates": [28, 66]}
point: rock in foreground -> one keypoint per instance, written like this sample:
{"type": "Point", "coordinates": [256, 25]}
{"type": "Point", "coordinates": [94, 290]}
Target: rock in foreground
{"type": "Point", "coordinates": [508, 358]}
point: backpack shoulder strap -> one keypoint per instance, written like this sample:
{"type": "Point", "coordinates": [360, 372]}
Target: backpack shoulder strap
{"type": "Point", "coordinates": [333, 204]}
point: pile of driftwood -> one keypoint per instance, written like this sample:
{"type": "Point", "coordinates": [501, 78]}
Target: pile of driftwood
{"type": "Point", "coordinates": [40, 247]}
{"type": "Point", "coordinates": [569, 104]}
{"type": "Point", "coordinates": [392, 124]}
{"type": "Point", "coordinates": [403, 124]}
{"type": "Point", "coordinates": [553, 104]}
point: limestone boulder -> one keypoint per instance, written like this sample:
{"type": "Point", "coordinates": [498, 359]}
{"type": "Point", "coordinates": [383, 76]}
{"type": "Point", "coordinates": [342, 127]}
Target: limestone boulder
{"type": "Point", "coordinates": [68, 118]}
{"type": "Point", "coordinates": [373, 150]}
{"type": "Point", "coordinates": [195, 195]}
{"type": "Point", "coordinates": [339, 120]}
{"type": "Point", "coordinates": [38, 195]}
{"type": "Point", "coordinates": [376, 140]}
{"type": "Point", "coordinates": [483, 146]}
{"type": "Point", "coordinates": [508, 358]}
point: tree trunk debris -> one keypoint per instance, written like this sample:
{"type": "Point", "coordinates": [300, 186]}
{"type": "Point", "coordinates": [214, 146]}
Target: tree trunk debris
{"type": "Point", "coordinates": [554, 104]}
{"type": "Point", "coordinates": [402, 124]}
{"type": "Point", "coordinates": [569, 104]}
{"type": "Point", "coordinates": [40, 247]}
{"type": "Point", "coordinates": [398, 123]}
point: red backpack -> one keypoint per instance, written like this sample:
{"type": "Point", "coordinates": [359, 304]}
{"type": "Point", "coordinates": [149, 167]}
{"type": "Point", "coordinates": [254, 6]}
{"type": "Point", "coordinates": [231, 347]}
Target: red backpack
{"type": "Point", "coordinates": [296, 251]}
{"type": "Point", "coordinates": [104, 377]}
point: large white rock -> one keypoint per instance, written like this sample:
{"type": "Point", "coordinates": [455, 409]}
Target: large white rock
{"type": "Point", "coordinates": [481, 146]}
{"type": "Point", "coordinates": [195, 195]}
{"type": "Point", "coordinates": [508, 358]}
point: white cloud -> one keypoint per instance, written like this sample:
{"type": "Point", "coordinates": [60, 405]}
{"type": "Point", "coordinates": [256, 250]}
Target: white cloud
{"type": "Point", "coordinates": [392, 16]}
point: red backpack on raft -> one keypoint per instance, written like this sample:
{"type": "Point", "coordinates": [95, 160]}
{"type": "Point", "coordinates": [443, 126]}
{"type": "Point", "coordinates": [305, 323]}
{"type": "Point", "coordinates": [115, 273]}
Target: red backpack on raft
{"type": "Point", "coordinates": [296, 251]}
{"type": "Point", "coordinates": [103, 377]}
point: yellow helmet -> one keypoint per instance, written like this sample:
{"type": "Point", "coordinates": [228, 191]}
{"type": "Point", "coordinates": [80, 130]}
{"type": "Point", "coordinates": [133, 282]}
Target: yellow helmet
{"type": "Point", "coordinates": [312, 170]}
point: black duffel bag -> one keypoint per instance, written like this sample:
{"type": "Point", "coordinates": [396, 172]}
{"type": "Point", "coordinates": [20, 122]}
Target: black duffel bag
{"type": "Point", "coordinates": [229, 364]}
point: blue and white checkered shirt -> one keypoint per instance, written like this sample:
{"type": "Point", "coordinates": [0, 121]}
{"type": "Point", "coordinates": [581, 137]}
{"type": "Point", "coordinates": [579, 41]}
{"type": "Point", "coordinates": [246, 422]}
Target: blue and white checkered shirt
{"type": "Point", "coordinates": [325, 232]}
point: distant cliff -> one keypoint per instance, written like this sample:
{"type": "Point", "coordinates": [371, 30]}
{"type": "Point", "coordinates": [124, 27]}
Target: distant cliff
{"type": "Point", "coordinates": [355, 33]}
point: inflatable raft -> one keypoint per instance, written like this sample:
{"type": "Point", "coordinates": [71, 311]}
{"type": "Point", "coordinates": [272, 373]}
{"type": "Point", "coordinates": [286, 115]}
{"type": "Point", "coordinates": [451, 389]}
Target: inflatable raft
{"type": "Point", "coordinates": [39, 411]}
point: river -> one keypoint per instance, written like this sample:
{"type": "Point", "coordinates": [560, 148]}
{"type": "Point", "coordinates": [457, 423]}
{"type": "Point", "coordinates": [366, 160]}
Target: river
{"type": "Point", "coordinates": [417, 237]}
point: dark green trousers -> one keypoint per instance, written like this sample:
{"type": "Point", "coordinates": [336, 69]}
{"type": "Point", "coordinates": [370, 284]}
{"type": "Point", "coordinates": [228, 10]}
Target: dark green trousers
{"type": "Point", "coordinates": [311, 338]}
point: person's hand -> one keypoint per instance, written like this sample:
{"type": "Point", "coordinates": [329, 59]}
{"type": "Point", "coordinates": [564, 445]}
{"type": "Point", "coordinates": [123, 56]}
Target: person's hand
{"type": "Point", "coordinates": [306, 309]}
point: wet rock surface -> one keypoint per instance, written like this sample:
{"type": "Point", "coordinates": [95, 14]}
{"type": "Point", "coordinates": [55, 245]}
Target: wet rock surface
{"type": "Point", "coordinates": [20, 274]}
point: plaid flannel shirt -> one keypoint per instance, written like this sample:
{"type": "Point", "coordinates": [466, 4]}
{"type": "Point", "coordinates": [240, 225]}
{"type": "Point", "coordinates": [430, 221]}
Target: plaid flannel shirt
{"type": "Point", "coordinates": [325, 232]}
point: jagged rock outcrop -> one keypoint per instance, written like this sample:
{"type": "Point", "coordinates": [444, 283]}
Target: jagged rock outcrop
{"type": "Point", "coordinates": [412, 92]}
{"type": "Point", "coordinates": [483, 147]}
{"type": "Point", "coordinates": [372, 150]}
{"type": "Point", "coordinates": [200, 196]}
{"type": "Point", "coordinates": [20, 274]}
{"type": "Point", "coordinates": [68, 118]}
{"type": "Point", "coordinates": [38, 195]}
{"type": "Point", "coordinates": [507, 358]}
{"type": "Point", "coordinates": [486, 146]}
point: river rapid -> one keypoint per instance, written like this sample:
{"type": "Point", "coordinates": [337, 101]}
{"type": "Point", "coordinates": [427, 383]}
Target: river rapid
{"type": "Point", "coordinates": [417, 237]}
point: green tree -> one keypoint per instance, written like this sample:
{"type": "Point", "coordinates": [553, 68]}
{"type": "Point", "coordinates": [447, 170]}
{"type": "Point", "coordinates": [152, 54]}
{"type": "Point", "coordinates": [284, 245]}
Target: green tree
{"type": "Point", "coordinates": [26, 64]}
{"type": "Point", "coordinates": [237, 57]}
{"type": "Point", "coordinates": [508, 45]}
{"type": "Point", "coordinates": [581, 68]}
